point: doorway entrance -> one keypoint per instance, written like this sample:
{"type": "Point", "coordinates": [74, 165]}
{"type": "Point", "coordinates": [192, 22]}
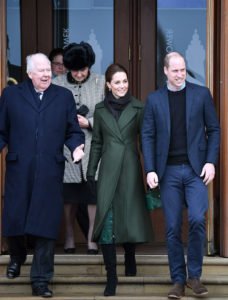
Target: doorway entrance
{"type": "Point", "coordinates": [124, 31]}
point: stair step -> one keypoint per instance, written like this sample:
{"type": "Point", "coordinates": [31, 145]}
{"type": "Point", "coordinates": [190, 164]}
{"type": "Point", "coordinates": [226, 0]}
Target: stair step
{"type": "Point", "coordinates": [83, 297]}
{"type": "Point", "coordinates": [220, 280]}
{"type": "Point", "coordinates": [83, 277]}
{"type": "Point", "coordinates": [90, 265]}
{"type": "Point", "coordinates": [89, 285]}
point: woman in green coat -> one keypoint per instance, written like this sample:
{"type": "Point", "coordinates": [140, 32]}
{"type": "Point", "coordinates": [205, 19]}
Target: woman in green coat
{"type": "Point", "coordinates": [121, 216]}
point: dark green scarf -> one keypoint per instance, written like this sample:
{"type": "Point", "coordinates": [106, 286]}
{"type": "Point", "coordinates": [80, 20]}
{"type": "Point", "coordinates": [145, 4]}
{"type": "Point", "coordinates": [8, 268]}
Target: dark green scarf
{"type": "Point", "coordinates": [116, 106]}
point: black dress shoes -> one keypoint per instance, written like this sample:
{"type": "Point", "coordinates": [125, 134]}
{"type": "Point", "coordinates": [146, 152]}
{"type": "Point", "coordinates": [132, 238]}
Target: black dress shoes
{"type": "Point", "coordinates": [69, 250]}
{"type": "Point", "coordinates": [92, 251]}
{"type": "Point", "coordinates": [42, 291]}
{"type": "Point", "coordinates": [13, 270]}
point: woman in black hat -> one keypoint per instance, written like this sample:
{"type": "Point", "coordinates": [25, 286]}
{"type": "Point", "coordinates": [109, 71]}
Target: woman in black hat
{"type": "Point", "coordinates": [88, 89]}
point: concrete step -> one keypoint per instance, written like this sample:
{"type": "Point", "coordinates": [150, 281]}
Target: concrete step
{"type": "Point", "coordinates": [127, 286]}
{"type": "Point", "coordinates": [150, 265]}
{"type": "Point", "coordinates": [83, 297]}
{"type": "Point", "coordinates": [84, 276]}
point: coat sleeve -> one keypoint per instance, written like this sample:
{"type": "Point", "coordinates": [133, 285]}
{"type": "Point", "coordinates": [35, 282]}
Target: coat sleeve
{"type": "Point", "coordinates": [96, 147]}
{"type": "Point", "coordinates": [4, 126]}
{"type": "Point", "coordinates": [148, 137]}
{"type": "Point", "coordinates": [140, 122]}
{"type": "Point", "coordinates": [212, 129]}
{"type": "Point", "coordinates": [74, 135]}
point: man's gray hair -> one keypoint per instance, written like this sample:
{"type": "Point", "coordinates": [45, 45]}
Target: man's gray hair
{"type": "Point", "coordinates": [31, 59]}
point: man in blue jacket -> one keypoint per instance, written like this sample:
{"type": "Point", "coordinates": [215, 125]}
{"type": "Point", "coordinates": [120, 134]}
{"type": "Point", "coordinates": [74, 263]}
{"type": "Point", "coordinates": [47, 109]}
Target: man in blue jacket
{"type": "Point", "coordinates": [36, 119]}
{"type": "Point", "coordinates": [180, 140]}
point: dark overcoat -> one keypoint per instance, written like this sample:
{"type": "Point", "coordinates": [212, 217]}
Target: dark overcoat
{"type": "Point", "coordinates": [35, 135]}
{"type": "Point", "coordinates": [202, 129]}
{"type": "Point", "coordinates": [120, 180]}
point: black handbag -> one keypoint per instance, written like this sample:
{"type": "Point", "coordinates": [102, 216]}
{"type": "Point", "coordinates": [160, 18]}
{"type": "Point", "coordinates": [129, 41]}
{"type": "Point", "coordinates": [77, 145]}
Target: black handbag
{"type": "Point", "coordinates": [83, 110]}
{"type": "Point", "coordinates": [153, 199]}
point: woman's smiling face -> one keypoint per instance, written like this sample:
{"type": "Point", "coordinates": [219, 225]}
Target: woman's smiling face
{"type": "Point", "coordinates": [119, 84]}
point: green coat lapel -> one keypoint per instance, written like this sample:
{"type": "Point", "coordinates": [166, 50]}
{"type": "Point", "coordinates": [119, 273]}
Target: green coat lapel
{"type": "Point", "coordinates": [127, 115]}
{"type": "Point", "coordinates": [110, 121]}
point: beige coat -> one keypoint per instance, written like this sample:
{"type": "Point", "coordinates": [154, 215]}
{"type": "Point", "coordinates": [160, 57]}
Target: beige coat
{"type": "Point", "coordinates": [88, 93]}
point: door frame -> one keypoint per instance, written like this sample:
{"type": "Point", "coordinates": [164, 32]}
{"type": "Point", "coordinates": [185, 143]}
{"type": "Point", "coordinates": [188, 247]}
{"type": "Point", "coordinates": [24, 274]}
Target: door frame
{"type": "Point", "coordinates": [35, 14]}
{"type": "Point", "coordinates": [134, 43]}
{"type": "Point", "coordinates": [3, 75]}
{"type": "Point", "coordinates": [217, 63]}
{"type": "Point", "coordinates": [211, 54]}
{"type": "Point", "coordinates": [223, 89]}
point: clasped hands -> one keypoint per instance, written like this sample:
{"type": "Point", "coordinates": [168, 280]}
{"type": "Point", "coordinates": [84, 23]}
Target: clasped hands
{"type": "Point", "coordinates": [78, 153]}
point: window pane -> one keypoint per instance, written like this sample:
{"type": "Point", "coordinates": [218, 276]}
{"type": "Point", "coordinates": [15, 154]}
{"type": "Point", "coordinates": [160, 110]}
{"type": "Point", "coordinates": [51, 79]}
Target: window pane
{"type": "Point", "coordinates": [13, 40]}
{"type": "Point", "coordinates": [86, 20]}
{"type": "Point", "coordinates": [181, 26]}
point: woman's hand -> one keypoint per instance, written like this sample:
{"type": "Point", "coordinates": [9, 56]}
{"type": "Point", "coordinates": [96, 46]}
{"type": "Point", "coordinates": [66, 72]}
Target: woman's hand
{"type": "Point", "coordinates": [83, 122]}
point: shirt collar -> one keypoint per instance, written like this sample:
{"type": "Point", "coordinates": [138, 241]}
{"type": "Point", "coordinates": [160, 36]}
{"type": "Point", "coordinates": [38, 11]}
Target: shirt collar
{"type": "Point", "coordinates": [170, 88]}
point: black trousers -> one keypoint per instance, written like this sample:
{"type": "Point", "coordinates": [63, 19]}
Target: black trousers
{"type": "Point", "coordinates": [42, 269]}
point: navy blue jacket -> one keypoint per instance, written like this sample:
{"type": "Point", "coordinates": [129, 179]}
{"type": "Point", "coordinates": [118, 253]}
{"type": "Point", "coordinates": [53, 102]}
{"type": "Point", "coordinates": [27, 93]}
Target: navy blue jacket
{"type": "Point", "coordinates": [35, 135]}
{"type": "Point", "coordinates": [203, 130]}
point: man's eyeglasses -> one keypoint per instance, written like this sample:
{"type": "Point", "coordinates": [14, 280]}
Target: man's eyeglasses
{"type": "Point", "coordinates": [57, 64]}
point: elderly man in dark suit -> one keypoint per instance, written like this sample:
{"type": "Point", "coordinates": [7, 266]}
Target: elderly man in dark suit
{"type": "Point", "coordinates": [180, 140]}
{"type": "Point", "coordinates": [36, 119]}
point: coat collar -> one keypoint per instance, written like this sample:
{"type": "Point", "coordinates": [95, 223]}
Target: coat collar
{"type": "Point", "coordinates": [26, 92]}
{"type": "Point", "coordinates": [164, 104]}
{"type": "Point", "coordinates": [126, 116]}
{"type": "Point", "coordinates": [190, 95]}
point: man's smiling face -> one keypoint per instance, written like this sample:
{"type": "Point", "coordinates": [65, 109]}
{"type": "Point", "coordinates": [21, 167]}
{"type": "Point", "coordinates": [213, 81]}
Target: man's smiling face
{"type": "Point", "coordinates": [176, 72]}
{"type": "Point", "coordinates": [40, 74]}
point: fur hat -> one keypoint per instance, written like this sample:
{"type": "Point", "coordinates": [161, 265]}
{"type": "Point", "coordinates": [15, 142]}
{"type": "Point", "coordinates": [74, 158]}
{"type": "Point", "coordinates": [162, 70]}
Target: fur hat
{"type": "Point", "coordinates": [78, 56]}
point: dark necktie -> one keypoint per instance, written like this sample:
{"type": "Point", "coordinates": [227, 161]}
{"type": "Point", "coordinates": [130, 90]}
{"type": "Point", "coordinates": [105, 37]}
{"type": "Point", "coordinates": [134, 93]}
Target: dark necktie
{"type": "Point", "coordinates": [40, 95]}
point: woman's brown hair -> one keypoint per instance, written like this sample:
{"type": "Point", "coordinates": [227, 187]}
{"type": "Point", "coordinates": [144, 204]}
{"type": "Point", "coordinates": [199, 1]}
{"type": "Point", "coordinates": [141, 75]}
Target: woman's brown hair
{"type": "Point", "coordinates": [111, 71]}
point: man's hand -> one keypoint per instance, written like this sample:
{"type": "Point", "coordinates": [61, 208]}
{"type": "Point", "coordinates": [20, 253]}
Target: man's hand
{"type": "Point", "coordinates": [83, 122]}
{"type": "Point", "coordinates": [208, 173]}
{"type": "Point", "coordinates": [152, 180]}
{"type": "Point", "coordinates": [78, 153]}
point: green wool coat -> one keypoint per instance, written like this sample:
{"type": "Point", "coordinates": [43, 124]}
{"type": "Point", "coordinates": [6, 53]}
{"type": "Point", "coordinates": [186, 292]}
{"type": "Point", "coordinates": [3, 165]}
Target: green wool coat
{"type": "Point", "coordinates": [120, 179]}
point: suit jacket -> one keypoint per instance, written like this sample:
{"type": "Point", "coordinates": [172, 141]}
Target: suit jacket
{"type": "Point", "coordinates": [35, 135]}
{"type": "Point", "coordinates": [120, 181]}
{"type": "Point", "coordinates": [203, 131]}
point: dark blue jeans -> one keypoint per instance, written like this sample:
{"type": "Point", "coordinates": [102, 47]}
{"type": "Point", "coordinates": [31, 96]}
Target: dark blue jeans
{"type": "Point", "coordinates": [180, 187]}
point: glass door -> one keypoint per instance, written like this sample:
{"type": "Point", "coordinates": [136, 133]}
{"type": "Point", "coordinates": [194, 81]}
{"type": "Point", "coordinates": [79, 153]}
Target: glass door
{"type": "Point", "coordinates": [13, 42]}
{"type": "Point", "coordinates": [88, 21]}
{"type": "Point", "coordinates": [188, 39]}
